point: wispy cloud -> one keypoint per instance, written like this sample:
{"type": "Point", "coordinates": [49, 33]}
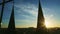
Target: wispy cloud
{"type": "Point", "coordinates": [28, 11]}
{"type": "Point", "coordinates": [48, 13]}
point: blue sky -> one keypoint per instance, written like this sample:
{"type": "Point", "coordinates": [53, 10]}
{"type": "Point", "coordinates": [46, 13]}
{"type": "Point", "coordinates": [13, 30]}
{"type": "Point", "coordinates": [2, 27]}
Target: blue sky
{"type": "Point", "coordinates": [26, 12]}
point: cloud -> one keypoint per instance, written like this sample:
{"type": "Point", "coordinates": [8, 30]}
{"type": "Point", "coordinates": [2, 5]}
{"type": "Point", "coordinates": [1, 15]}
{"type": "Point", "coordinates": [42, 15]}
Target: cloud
{"type": "Point", "coordinates": [26, 14]}
{"type": "Point", "coordinates": [48, 13]}
{"type": "Point", "coordinates": [27, 10]}
{"type": "Point", "coordinates": [50, 17]}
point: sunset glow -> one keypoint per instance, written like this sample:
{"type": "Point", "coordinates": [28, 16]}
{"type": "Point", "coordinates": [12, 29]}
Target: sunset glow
{"type": "Point", "coordinates": [50, 24]}
{"type": "Point", "coordinates": [26, 13]}
{"type": "Point", "coordinates": [47, 24]}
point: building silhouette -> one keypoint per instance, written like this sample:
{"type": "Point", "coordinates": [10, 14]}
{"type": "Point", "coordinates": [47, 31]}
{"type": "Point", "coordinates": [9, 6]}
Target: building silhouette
{"type": "Point", "coordinates": [40, 21]}
{"type": "Point", "coordinates": [11, 26]}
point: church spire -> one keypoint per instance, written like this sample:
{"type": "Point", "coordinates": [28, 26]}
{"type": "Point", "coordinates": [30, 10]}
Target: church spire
{"type": "Point", "coordinates": [40, 22]}
{"type": "Point", "coordinates": [12, 20]}
{"type": "Point", "coordinates": [11, 26]}
{"type": "Point", "coordinates": [40, 16]}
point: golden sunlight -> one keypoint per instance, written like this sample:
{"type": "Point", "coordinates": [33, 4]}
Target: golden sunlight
{"type": "Point", "coordinates": [48, 24]}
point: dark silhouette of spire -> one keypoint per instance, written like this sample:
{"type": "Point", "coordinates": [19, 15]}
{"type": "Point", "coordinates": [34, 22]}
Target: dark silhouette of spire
{"type": "Point", "coordinates": [2, 12]}
{"type": "Point", "coordinates": [12, 20]}
{"type": "Point", "coordinates": [40, 17]}
{"type": "Point", "coordinates": [11, 26]}
{"type": "Point", "coordinates": [40, 22]}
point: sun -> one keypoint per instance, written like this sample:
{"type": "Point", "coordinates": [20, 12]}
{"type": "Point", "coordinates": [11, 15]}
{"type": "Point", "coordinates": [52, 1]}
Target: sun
{"type": "Point", "coordinates": [47, 24]}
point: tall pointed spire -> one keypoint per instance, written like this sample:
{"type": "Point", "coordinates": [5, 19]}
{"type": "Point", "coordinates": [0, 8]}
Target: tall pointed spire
{"type": "Point", "coordinates": [40, 22]}
{"type": "Point", "coordinates": [40, 17]}
{"type": "Point", "coordinates": [11, 26]}
{"type": "Point", "coordinates": [12, 22]}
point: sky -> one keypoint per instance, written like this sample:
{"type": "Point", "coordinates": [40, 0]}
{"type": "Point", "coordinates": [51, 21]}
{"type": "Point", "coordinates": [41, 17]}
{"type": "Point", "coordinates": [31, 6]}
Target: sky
{"type": "Point", "coordinates": [26, 13]}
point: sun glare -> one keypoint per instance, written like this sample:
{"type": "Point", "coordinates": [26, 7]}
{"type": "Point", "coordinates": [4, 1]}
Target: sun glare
{"type": "Point", "coordinates": [47, 24]}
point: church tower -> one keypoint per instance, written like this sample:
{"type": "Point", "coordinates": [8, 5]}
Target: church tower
{"type": "Point", "coordinates": [12, 21]}
{"type": "Point", "coordinates": [40, 21]}
{"type": "Point", "coordinates": [11, 26]}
